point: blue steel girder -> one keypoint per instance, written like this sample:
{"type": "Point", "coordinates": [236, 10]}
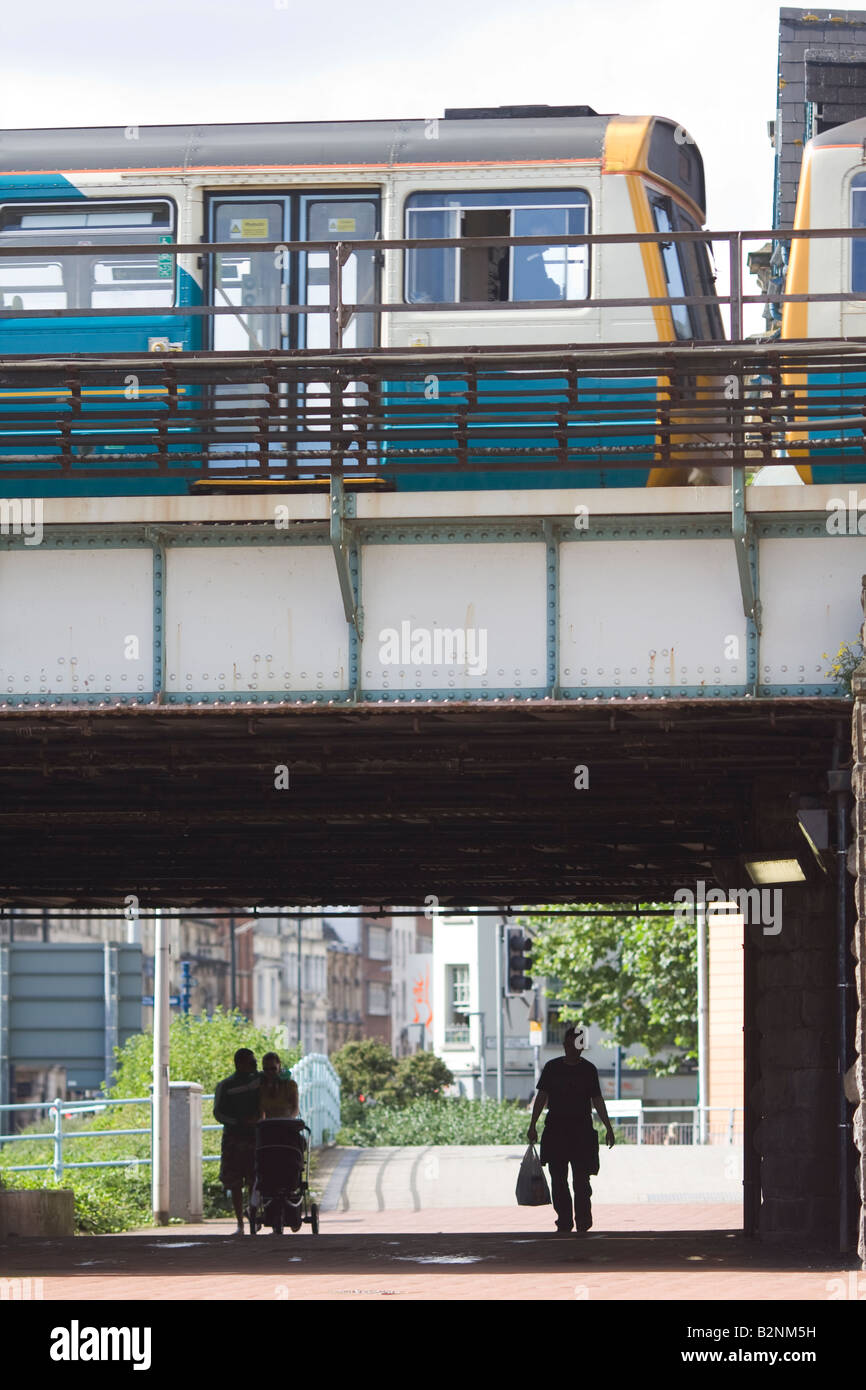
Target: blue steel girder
{"type": "Point", "coordinates": [552, 534]}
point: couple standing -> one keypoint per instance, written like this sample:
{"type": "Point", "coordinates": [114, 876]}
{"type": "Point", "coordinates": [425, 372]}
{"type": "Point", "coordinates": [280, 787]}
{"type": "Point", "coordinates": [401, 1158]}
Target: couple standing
{"type": "Point", "coordinates": [239, 1102]}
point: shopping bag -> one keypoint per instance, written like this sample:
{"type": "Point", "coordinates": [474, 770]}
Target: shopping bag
{"type": "Point", "coordinates": [532, 1189]}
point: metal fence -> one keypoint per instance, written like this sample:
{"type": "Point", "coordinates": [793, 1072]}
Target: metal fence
{"type": "Point", "coordinates": [678, 1124]}
{"type": "Point", "coordinates": [318, 1092]}
{"type": "Point", "coordinates": [296, 415]}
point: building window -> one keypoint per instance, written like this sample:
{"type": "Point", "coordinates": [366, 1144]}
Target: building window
{"type": "Point", "coordinates": [457, 989]}
{"type": "Point", "coordinates": [378, 997]}
{"type": "Point", "coordinates": [378, 943]}
{"type": "Point", "coordinates": [457, 275]}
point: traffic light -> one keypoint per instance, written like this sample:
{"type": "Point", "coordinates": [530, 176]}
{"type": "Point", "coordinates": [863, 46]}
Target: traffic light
{"type": "Point", "coordinates": [519, 951]}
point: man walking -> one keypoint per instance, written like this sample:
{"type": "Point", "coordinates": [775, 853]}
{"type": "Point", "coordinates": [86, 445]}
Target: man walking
{"type": "Point", "coordinates": [236, 1108]}
{"type": "Point", "coordinates": [569, 1087]}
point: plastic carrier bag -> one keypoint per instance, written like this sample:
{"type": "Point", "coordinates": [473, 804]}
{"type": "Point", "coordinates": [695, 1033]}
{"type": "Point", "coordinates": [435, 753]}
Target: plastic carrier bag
{"type": "Point", "coordinates": [532, 1189]}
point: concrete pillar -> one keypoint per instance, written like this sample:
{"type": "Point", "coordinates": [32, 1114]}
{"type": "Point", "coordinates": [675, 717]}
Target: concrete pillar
{"type": "Point", "coordinates": [791, 1031]}
{"type": "Point", "coordinates": [186, 1196]}
{"type": "Point", "coordinates": [796, 1094]}
{"type": "Point", "coordinates": [856, 1078]}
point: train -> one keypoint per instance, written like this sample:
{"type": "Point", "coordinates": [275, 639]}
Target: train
{"type": "Point", "coordinates": [831, 194]}
{"type": "Point", "coordinates": [473, 173]}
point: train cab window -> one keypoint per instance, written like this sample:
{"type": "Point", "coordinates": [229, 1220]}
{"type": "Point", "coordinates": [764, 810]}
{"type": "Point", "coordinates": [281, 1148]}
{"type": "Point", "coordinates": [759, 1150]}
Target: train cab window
{"type": "Point", "coordinates": [103, 280]}
{"type": "Point", "coordinates": [674, 270]}
{"type": "Point", "coordinates": [858, 244]}
{"type": "Point", "coordinates": [495, 273]}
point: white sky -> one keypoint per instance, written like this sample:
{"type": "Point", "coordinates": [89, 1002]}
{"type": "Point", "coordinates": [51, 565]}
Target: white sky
{"type": "Point", "coordinates": [711, 67]}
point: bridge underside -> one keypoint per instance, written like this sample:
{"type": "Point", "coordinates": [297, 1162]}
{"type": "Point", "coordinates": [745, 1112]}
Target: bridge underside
{"type": "Point", "coordinates": [185, 806]}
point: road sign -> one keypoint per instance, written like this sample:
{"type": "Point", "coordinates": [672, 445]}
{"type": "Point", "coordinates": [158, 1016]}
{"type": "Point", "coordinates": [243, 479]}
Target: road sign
{"type": "Point", "coordinates": [534, 1034]}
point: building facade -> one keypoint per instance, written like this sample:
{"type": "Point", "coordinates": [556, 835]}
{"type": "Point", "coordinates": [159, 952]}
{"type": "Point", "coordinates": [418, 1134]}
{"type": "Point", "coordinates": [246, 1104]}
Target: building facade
{"type": "Point", "coordinates": [345, 990]}
{"type": "Point", "coordinates": [465, 1021]}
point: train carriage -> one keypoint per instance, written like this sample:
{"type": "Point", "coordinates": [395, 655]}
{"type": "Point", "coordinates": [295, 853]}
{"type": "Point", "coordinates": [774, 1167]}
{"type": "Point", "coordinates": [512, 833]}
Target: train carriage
{"type": "Point", "coordinates": [509, 172]}
{"type": "Point", "coordinates": [831, 194]}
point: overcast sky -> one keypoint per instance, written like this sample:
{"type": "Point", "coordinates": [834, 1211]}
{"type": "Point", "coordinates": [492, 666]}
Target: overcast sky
{"type": "Point", "coordinates": [712, 67]}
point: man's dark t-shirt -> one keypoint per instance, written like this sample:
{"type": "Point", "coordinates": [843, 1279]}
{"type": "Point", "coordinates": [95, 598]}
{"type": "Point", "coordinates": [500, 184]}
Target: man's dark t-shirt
{"type": "Point", "coordinates": [568, 1129]}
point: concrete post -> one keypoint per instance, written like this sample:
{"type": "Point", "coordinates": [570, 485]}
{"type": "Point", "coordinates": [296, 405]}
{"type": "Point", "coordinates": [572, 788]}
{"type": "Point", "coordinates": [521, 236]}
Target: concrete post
{"type": "Point", "coordinates": [186, 1198]}
{"type": "Point", "coordinates": [856, 1078]}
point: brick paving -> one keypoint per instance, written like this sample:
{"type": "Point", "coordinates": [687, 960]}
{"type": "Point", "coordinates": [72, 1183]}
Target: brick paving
{"type": "Point", "coordinates": [647, 1251]}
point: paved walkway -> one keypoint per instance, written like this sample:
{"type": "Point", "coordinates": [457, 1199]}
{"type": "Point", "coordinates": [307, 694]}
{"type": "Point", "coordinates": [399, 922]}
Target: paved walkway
{"type": "Point", "coordinates": [495, 1253]}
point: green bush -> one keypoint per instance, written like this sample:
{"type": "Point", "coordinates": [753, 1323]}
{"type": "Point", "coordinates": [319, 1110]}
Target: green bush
{"type": "Point", "coordinates": [369, 1072]}
{"type": "Point", "coordinates": [106, 1199]}
{"type": "Point", "coordinates": [449, 1120]}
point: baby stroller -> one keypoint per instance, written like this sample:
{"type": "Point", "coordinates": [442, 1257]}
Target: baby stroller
{"type": "Point", "coordinates": [280, 1195]}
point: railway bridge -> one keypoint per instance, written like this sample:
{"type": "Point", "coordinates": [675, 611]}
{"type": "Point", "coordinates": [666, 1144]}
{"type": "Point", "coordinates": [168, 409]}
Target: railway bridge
{"type": "Point", "coordinates": [302, 677]}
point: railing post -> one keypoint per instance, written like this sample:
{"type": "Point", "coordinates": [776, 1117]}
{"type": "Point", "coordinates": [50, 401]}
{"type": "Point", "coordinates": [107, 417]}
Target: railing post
{"type": "Point", "coordinates": [58, 1139]}
{"type": "Point", "coordinates": [335, 294]}
{"type": "Point", "coordinates": [736, 255]}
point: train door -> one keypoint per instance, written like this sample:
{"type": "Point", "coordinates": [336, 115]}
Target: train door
{"type": "Point", "coordinates": [326, 217]}
{"type": "Point", "coordinates": [247, 280]}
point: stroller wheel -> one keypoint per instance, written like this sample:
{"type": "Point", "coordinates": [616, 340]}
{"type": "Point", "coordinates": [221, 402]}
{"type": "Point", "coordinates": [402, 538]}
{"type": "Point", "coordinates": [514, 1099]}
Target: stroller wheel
{"type": "Point", "coordinates": [314, 1218]}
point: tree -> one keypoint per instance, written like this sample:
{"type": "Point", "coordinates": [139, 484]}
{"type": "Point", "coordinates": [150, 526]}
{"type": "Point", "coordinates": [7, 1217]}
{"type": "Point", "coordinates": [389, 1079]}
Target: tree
{"type": "Point", "coordinates": [634, 976]}
{"type": "Point", "coordinates": [422, 1075]}
{"type": "Point", "coordinates": [364, 1068]}
{"type": "Point", "coordinates": [200, 1049]}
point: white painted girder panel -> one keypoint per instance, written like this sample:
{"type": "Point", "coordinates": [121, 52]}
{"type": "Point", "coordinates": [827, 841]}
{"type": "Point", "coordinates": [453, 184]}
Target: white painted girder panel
{"type": "Point", "coordinates": [76, 622]}
{"type": "Point", "coordinates": [810, 601]}
{"type": "Point", "coordinates": [495, 591]}
{"type": "Point", "coordinates": [248, 618]}
{"type": "Point", "coordinates": [650, 613]}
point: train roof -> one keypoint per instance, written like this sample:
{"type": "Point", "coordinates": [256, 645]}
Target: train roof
{"type": "Point", "coordinates": [466, 137]}
{"type": "Point", "coordinates": [851, 133]}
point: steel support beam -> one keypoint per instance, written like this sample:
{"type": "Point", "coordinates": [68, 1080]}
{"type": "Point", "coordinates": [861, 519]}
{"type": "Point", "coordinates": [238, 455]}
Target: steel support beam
{"type": "Point", "coordinates": [341, 541]}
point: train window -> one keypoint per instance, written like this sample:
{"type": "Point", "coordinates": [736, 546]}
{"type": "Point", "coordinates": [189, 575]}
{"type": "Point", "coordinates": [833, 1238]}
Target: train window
{"type": "Point", "coordinates": [674, 270]}
{"type": "Point", "coordinates": [858, 244]}
{"type": "Point", "coordinates": [34, 285]}
{"type": "Point", "coordinates": [103, 280]}
{"type": "Point", "coordinates": [695, 260]}
{"type": "Point", "coordinates": [496, 273]}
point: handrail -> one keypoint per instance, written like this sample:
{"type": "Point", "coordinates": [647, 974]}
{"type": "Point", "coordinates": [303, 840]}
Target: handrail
{"type": "Point", "coordinates": [338, 252]}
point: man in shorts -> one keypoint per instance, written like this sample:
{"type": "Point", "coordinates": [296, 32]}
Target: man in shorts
{"type": "Point", "coordinates": [236, 1108]}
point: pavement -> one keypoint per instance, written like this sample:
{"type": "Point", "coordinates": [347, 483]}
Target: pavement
{"type": "Point", "coordinates": [675, 1252]}
{"type": "Point", "coordinates": [427, 1177]}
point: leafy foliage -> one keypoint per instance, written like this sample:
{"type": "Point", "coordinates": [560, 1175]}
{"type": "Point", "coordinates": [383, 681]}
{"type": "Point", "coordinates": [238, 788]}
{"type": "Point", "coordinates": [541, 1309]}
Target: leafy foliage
{"type": "Point", "coordinates": [370, 1075]}
{"type": "Point", "coordinates": [202, 1049]}
{"type": "Point", "coordinates": [634, 976]}
{"type": "Point", "coordinates": [449, 1120]}
{"type": "Point", "coordinates": [845, 663]}
{"type": "Point", "coordinates": [418, 1076]}
{"type": "Point", "coordinates": [365, 1068]}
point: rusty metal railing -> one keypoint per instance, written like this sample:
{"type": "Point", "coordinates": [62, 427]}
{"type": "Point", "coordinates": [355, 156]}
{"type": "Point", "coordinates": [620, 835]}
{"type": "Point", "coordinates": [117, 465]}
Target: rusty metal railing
{"type": "Point", "coordinates": [339, 252]}
{"type": "Point", "coordinates": [298, 416]}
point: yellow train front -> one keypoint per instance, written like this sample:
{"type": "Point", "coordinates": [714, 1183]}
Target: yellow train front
{"type": "Point", "coordinates": [831, 194]}
{"type": "Point", "coordinates": [544, 172]}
